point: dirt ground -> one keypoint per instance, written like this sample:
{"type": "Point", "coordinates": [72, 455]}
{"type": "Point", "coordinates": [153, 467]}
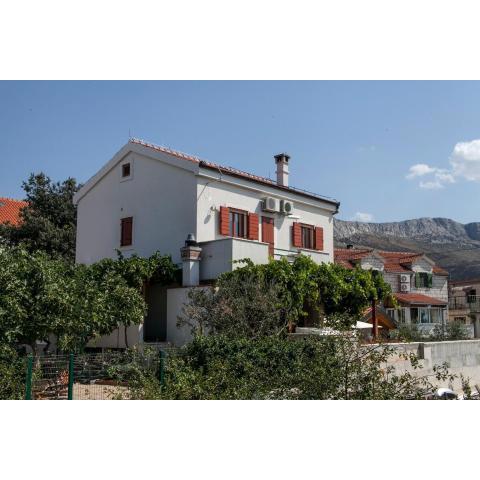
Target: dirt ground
{"type": "Point", "coordinates": [99, 392]}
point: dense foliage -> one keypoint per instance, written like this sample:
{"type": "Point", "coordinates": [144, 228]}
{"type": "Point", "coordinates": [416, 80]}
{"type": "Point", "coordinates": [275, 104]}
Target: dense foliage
{"type": "Point", "coordinates": [12, 374]}
{"type": "Point", "coordinates": [449, 331]}
{"type": "Point", "coordinates": [49, 220]}
{"type": "Point", "coordinates": [258, 300]}
{"type": "Point", "coordinates": [332, 367]}
{"type": "Point", "coordinates": [41, 296]}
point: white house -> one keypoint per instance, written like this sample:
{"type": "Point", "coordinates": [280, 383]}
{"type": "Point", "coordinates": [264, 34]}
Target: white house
{"type": "Point", "coordinates": [149, 198]}
{"type": "Point", "coordinates": [418, 284]}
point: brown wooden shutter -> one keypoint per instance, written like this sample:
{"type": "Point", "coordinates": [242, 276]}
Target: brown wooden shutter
{"type": "Point", "coordinates": [126, 231]}
{"type": "Point", "coordinates": [252, 226]}
{"type": "Point", "coordinates": [318, 238]}
{"type": "Point", "coordinates": [224, 221]}
{"type": "Point", "coordinates": [296, 235]}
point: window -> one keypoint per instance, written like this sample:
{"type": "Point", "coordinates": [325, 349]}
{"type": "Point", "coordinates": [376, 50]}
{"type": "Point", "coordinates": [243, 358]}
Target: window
{"type": "Point", "coordinates": [391, 313]}
{"type": "Point", "coordinates": [471, 296]}
{"type": "Point", "coordinates": [126, 231]}
{"type": "Point", "coordinates": [307, 232]}
{"type": "Point", "coordinates": [397, 314]}
{"type": "Point", "coordinates": [462, 320]}
{"type": "Point", "coordinates": [426, 315]}
{"type": "Point", "coordinates": [423, 280]}
{"type": "Point", "coordinates": [125, 170]}
{"type": "Point", "coordinates": [238, 223]}
{"type": "Point", "coordinates": [436, 315]}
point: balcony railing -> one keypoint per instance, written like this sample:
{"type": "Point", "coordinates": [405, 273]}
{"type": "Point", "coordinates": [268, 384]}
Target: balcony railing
{"type": "Point", "coordinates": [469, 303]}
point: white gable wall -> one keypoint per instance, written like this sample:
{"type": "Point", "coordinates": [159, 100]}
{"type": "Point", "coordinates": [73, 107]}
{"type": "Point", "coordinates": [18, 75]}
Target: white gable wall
{"type": "Point", "coordinates": [372, 262]}
{"type": "Point", "coordinates": [161, 198]}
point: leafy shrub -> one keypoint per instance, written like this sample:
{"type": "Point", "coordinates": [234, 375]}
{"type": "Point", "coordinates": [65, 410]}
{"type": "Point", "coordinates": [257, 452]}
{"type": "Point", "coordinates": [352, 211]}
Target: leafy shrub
{"type": "Point", "coordinates": [222, 367]}
{"type": "Point", "coordinates": [412, 333]}
{"type": "Point", "coordinates": [12, 374]}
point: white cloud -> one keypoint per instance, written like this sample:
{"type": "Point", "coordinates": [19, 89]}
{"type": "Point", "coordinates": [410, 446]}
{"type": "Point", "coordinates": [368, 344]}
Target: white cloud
{"type": "Point", "coordinates": [419, 170]}
{"type": "Point", "coordinates": [465, 160]}
{"type": "Point", "coordinates": [433, 185]}
{"type": "Point", "coordinates": [363, 217]}
{"type": "Point", "coordinates": [464, 165]}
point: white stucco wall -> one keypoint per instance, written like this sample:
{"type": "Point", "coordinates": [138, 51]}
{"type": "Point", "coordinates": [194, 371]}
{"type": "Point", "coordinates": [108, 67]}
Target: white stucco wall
{"type": "Point", "coordinates": [372, 262]}
{"type": "Point", "coordinates": [214, 191]}
{"type": "Point", "coordinates": [463, 357]}
{"type": "Point", "coordinates": [117, 338]}
{"type": "Point", "coordinates": [176, 299]}
{"type": "Point", "coordinates": [439, 288]}
{"type": "Point", "coordinates": [161, 198]}
{"type": "Point", "coordinates": [218, 255]}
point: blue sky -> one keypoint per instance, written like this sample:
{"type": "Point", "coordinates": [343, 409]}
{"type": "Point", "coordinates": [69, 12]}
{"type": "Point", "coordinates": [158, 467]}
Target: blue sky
{"type": "Point", "coordinates": [387, 150]}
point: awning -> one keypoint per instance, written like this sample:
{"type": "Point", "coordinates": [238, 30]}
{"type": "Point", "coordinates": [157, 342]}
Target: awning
{"type": "Point", "coordinates": [418, 299]}
{"type": "Point", "coordinates": [364, 325]}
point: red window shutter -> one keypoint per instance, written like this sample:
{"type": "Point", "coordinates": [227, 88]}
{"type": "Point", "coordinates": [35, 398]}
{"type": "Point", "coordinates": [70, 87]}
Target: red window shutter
{"type": "Point", "coordinates": [252, 226]}
{"type": "Point", "coordinates": [296, 235]}
{"type": "Point", "coordinates": [224, 221]}
{"type": "Point", "coordinates": [318, 238]}
{"type": "Point", "coordinates": [126, 231]}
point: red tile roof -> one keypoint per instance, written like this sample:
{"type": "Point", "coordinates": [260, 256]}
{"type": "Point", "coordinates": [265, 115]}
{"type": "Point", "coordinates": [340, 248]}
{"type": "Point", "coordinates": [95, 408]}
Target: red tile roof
{"type": "Point", "coordinates": [10, 210]}
{"type": "Point", "coordinates": [394, 262]}
{"type": "Point", "coordinates": [232, 171]}
{"type": "Point", "coordinates": [417, 299]}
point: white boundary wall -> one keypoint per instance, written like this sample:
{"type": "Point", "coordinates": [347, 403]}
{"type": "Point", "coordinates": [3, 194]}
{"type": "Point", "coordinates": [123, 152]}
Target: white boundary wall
{"type": "Point", "coordinates": [462, 356]}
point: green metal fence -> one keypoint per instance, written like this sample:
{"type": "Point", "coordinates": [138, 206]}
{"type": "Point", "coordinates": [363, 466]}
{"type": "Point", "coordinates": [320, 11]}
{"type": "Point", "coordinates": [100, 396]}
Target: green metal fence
{"type": "Point", "coordinates": [94, 376]}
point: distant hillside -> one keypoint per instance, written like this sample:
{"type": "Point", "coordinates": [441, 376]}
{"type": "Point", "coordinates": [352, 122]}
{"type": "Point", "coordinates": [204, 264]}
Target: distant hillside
{"type": "Point", "coordinates": [454, 246]}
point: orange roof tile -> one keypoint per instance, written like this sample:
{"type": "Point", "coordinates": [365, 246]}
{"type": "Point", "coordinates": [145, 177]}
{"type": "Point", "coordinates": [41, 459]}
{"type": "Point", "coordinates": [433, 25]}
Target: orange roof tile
{"type": "Point", "coordinates": [418, 299]}
{"type": "Point", "coordinates": [10, 210]}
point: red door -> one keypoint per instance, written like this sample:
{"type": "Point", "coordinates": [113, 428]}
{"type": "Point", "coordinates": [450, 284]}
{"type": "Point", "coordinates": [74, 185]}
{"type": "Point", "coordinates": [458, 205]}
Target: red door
{"type": "Point", "coordinates": [267, 233]}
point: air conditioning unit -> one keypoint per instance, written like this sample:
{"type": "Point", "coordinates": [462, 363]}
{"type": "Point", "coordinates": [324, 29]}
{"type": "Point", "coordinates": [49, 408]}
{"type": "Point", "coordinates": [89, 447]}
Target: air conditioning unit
{"type": "Point", "coordinates": [270, 204]}
{"type": "Point", "coordinates": [286, 207]}
{"type": "Point", "coordinates": [404, 287]}
{"type": "Point", "coordinates": [404, 278]}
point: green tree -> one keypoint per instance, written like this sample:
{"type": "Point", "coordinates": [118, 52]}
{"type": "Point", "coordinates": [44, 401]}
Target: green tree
{"type": "Point", "coordinates": [258, 300]}
{"type": "Point", "coordinates": [41, 296]}
{"type": "Point", "coordinates": [48, 222]}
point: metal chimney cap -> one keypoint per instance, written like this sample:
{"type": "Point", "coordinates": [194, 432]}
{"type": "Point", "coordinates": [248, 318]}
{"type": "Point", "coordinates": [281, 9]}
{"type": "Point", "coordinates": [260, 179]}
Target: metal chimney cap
{"type": "Point", "coordinates": [190, 241]}
{"type": "Point", "coordinates": [282, 156]}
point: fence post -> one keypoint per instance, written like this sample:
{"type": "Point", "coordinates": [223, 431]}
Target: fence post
{"type": "Point", "coordinates": [28, 379]}
{"type": "Point", "coordinates": [162, 368]}
{"type": "Point", "coordinates": [70, 377]}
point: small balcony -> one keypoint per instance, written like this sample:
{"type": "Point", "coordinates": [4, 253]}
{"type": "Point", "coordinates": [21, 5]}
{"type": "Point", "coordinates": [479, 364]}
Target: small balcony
{"type": "Point", "coordinates": [464, 304]}
{"type": "Point", "coordinates": [218, 256]}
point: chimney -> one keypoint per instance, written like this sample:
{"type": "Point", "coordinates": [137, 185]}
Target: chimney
{"type": "Point", "coordinates": [282, 168]}
{"type": "Point", "coordinates": [191, 258]}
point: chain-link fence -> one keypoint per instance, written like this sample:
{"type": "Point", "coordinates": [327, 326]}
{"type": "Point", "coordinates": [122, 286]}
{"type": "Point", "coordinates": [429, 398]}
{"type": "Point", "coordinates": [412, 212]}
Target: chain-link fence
{"type": "Point", "coordinates": [96, 376]}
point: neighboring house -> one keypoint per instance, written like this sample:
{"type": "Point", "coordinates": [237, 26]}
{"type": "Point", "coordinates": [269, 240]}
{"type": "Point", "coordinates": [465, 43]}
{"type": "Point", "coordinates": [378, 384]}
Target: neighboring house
{"type": "Point", "coordinates": [149, 198]}
{"type": "Point", "coordinates": [464, 303]}
{"type": "Point", "coordinates": [10, 210]}
{"type": "Point", "coordinates": [419, 286]}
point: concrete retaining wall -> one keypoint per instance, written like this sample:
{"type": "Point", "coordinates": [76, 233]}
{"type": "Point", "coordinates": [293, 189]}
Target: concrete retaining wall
{"type": "Point", "coordinates": [462, 356]}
